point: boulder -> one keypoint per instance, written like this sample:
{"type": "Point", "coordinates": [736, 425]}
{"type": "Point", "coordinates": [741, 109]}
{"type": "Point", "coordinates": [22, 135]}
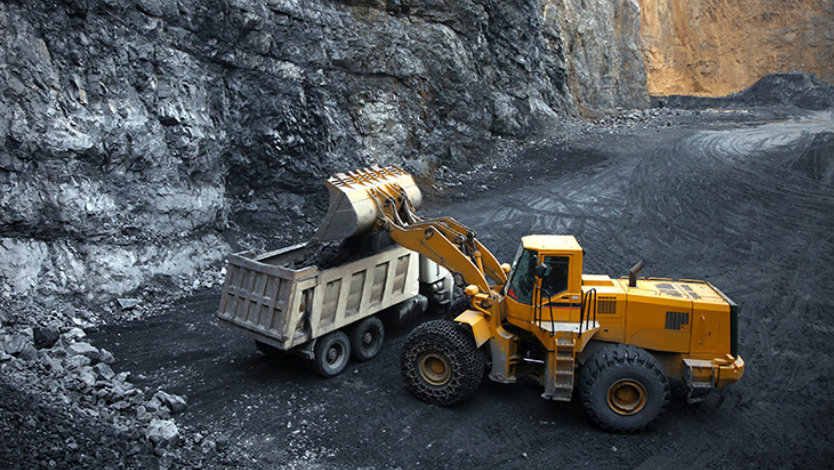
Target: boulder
{"type": "Point", "coordinates": [72, 335]}
{"type": "Point", "coordinates": [175, 403]}
{"type": "Point", "coordinates": [106, 356]}
{"type": "Point", "coordinates": [163, 434]}
{"type": "Point", "coordinates": [127, 304]}
{"type": "Point", "coordinates": [51, 364]}
{"type": "Point", "coordinates": [29, 353]}
{"type": "Point", "coordinates": [45, 337]}
{"type": "Point", "coordinates": [75, 362]}
{"type": "Point", "coordinates": [14, 344]}
{"type": "Point", "coordinates": [104, 371]}
{"type": "Point", "coordinates": [87, 376]}
{"type": "Point", "coordinates": [83, 349]}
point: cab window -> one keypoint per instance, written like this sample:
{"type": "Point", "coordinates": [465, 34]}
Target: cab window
{"type": "Point", "coordinates": [555, 279]}
{"type": "Point", "coordinates": [520, 286]}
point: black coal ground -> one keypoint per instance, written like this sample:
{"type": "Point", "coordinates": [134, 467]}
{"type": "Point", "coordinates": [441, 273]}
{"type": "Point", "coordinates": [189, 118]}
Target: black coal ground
{"type": "Point", "coordinates": [740, 197]}
{"type": "Point", "coordinates": [747, 206]}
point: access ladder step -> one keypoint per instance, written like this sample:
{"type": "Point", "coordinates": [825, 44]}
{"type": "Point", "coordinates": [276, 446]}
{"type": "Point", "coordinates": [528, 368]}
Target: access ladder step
{"type": "Point", "coordinates": [559, 393]}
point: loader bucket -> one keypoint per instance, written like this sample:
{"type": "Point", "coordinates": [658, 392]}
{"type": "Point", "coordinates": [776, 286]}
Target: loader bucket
{"type": "Point", "coordinates": [353, 210]}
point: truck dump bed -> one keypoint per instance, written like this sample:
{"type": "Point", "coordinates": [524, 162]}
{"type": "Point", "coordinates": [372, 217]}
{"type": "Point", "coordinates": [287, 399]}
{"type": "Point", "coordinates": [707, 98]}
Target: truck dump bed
{"type": "Point", "coordinates": [285, 307]}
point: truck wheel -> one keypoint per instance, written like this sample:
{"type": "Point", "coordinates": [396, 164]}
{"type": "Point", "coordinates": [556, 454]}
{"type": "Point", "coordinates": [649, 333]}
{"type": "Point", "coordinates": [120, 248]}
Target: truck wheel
{"type": "Point", "coordinates": [623, 388]}
{"type": "Point", "coordinates": [460, 303]}
{"type": "Point", "coordinates": [366, 338]}
{"type": "Point", "coordinates": [332, 352]}
{"type": "Point", "coordinates": [440, 363]}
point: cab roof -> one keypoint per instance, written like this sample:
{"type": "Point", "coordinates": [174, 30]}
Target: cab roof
{"type": "Point", "coordinates": [551, 242]}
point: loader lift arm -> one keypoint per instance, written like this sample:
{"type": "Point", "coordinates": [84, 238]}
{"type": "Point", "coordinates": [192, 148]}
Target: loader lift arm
{"type": "Point", "coordinates": [379, 198]}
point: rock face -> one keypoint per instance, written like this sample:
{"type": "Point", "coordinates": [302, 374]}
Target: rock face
{"type": "Point", "coordinates": [131, 132]}
{"type": "Point", "coordinates": [715, 47]}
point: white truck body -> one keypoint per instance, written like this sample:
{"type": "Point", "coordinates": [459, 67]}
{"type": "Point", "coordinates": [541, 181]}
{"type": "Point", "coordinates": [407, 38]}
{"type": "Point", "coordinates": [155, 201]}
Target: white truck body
{"type": "Point", "coordinates": [288, 308]}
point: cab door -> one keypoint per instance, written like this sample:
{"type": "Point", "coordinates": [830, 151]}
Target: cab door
{"type": "Point", "coordinates": [522, 286]}
{"type": "Point", "coordinates": [560, 298]}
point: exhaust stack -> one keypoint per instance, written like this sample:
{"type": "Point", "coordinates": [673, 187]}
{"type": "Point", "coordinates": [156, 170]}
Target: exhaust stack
{"type": "Point", "coordinates": [632, 273]}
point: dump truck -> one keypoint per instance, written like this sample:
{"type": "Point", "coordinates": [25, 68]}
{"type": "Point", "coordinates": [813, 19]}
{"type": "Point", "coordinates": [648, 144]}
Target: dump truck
{"type": "Point", "coordinates": [616, 342]}
{"type": "Point", "coordinates": [326, 315]}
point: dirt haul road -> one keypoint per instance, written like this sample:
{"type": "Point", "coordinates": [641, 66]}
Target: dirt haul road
{"type": "Point", "coordinates": [749, 207]}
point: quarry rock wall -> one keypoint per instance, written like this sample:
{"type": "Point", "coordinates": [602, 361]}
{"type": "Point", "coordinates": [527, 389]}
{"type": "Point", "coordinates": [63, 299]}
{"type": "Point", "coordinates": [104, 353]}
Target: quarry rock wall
{"type": "Point", "coordinates": [131, 133]}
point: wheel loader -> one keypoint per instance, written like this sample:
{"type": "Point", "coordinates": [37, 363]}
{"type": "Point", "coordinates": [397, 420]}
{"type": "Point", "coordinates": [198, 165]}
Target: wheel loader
{"type": "Point", "coordinates": [618, 342]}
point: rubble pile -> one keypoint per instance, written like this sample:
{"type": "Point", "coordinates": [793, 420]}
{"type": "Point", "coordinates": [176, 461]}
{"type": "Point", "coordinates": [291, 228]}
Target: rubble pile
{"type": "Point", "coordinates": [65, 406]}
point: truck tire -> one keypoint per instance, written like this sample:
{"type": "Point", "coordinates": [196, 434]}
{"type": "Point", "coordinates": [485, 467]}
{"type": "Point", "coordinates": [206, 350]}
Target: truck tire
{"type": "Point", "coordinates": [332, 352]}
{"type": "Point", "coordinates": [623, 388]}
{"type": "Point", "coordinates": [440, 363]}
{"type": "Point", "coordinates": [460, 303]}
{"type": "Point", "coordinates": [366, 338]}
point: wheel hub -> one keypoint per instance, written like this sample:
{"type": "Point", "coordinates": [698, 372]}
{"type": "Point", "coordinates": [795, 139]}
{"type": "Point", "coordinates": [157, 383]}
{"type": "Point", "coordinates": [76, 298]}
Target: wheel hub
{"type": "Point", "coordinates": [626, 397]}
{"type": "Point", "coordinates": [434, 368]}
{"type": "Point", "coordinates": [333, 354]}
{"type": "Point", "coordinates": [367, 338]}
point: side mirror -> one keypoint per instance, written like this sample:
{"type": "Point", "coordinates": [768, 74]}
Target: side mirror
{"type": "Point", "coordinates": [541, 270]}
{"type": "Point", "coordinates": [506, 268]}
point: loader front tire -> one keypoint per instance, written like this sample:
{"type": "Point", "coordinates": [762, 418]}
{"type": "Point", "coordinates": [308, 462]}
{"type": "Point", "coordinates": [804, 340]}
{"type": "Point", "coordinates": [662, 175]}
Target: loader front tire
{"type": "Point", "coordinates": [332, 352]}
{"type": "Point", "coordinates": [440, 363]}
{"type": "Point", "coordinates": [366, 338]}
{"type": "Point", "coordinates": [623, 388]}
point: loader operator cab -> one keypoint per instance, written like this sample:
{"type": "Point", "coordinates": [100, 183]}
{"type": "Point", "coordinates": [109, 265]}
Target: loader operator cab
{"type": "Point", "coordinates": [552, 263]}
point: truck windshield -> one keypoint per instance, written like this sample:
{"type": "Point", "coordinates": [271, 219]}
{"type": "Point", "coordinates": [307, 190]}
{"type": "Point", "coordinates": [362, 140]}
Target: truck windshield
{"type": "Point", "coordinates": [523, 279]}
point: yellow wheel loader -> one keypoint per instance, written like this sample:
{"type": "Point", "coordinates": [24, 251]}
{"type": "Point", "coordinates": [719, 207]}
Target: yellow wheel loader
{"type": "Point", "coordinates": [618, 341]}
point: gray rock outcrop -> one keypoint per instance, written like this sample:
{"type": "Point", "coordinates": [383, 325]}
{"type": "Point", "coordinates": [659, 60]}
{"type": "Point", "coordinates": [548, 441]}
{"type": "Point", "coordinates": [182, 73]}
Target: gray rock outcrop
{"type": "Point", "coordinates": [133, 132]}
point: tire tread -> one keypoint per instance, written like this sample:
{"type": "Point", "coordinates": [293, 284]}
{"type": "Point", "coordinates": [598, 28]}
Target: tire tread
{"type": "Point", "coordinates": [458, 346]}
{"type": "Point", "coordinates": [620, 355]}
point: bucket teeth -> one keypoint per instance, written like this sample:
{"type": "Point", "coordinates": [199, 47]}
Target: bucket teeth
{"type": "Point", "coordinates": [354, 199]}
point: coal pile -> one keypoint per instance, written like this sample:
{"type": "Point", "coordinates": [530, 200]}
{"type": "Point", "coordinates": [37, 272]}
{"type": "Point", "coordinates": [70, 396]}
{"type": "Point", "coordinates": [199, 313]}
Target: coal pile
{"type": "Point", "coordinates": [798, 89]}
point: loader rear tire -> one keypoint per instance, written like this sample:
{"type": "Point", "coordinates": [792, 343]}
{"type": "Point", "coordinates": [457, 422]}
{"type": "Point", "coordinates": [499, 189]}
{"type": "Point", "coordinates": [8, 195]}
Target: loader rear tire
{"type": "Point", "coordinates": [623, 388]}
{"type": "Point", "coordinates": [332, 352]}
{"type": "Point", "coordinates": [366, 338]}
{"type": "Point", "coordinates": [440, 363]}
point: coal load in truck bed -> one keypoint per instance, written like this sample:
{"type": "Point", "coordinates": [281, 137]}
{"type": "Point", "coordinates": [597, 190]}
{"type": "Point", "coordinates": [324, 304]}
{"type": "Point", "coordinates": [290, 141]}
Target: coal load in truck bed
{"type": "Point", "coordinates": [330, 254]}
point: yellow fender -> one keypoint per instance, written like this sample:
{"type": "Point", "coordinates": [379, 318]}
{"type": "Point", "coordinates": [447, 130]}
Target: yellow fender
{"type": "Point", "coordinates": [479, 324]}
